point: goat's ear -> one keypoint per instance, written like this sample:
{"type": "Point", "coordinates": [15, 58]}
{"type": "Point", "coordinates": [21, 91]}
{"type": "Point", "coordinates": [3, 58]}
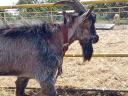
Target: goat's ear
{"type": "Point", "coordinates": [89, 11]}
{"type": "Point", "coordinates": [87, 14]}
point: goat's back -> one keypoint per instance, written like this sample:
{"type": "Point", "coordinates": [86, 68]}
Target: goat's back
{"type": "Point", "coordinates": [29, 54]}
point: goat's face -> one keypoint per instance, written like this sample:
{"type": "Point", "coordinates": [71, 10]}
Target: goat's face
{"type": "Point", "coordinates": [90, 23]}
{"type": "Point", "coordinates": [88, 34]}
{"type": "Point", "coordinates": [82, 28]}
{"type": "Point", "coordinates": [86, 30]}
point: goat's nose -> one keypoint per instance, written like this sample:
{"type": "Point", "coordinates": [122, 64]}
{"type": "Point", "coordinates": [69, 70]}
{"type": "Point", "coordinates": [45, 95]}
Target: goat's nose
{"type": "Point", "coordinates": [95, 39]}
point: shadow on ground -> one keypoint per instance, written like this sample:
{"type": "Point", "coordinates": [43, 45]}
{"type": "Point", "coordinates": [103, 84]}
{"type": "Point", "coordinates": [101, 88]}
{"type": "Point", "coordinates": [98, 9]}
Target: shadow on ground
{"type": "Point", "coordinates": [71, 91]}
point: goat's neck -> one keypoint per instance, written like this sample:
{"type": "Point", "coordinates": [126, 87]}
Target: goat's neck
{"type": "Point", "coordinates": [72, 36]}
{"type": "Point", "coordinates": [69, 35]}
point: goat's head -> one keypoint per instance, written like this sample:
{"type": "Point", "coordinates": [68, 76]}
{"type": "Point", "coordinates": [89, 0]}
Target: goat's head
{"type": "Point", "coordinates": [81, 26]}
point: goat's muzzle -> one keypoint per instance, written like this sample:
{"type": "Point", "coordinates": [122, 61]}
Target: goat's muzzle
{"type": "Point", "coordinates": [95, 39]}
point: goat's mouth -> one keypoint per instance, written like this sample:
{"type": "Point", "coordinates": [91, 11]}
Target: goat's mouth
{"type": "Point", "coordinates": [95, 39]}
{"type": "Point", "coordinates": [87, 49]}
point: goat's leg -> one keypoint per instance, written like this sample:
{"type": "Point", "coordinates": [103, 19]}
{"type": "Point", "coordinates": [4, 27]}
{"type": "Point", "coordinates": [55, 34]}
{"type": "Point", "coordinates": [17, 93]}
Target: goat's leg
{"type": "Point", "coordinates": [60, 71]}
{"type": "Point", "coordinates": [47, 89]}
{"type": "Point", "coordinates": [21, 84]}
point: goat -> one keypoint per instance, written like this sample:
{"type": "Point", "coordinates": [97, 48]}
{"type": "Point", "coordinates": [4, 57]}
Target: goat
{"type": "Point", "coordinates": [116, 19]}
{"type": "Point", "coordinates": [78, 26]}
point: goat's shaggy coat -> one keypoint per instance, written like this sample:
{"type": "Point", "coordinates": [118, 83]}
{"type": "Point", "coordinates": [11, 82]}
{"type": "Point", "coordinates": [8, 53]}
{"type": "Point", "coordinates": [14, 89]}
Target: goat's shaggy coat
{"type": "Point", "coordinates": [34, 51]}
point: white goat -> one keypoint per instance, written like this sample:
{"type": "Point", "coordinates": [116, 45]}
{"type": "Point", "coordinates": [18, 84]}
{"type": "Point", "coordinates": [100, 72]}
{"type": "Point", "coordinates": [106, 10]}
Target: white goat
{"type": "Point", "coordinates": [116, 19]}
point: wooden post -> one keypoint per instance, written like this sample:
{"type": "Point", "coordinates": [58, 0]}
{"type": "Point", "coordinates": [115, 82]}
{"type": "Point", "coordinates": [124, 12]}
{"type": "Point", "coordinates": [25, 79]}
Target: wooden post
{"type": "Point", "coordinates": [3, 15]}
{"type": "Point", "coordinates": [51, 16]}
{"type": "Point", "coordinates": [51, 4]}
{"type": "Point", "coordinates": [99, 55]}
{"type": "Point", "coordinates": [119, 16]}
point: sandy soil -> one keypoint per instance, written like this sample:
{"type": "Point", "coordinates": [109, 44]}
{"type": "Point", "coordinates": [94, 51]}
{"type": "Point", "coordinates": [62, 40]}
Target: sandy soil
{"type": "Point", "coordinates": [104, 73]}
{"type": "Point", "coordinates": [100, 73]}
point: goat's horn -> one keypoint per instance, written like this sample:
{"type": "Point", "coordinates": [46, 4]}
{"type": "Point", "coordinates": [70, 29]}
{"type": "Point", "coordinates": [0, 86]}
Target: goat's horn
{"type": "Point", "coordinates": [90, 11]}
{"type": "Point", "coordinates": [87, 14]}
{"type": "Point", "coordinates": [75, 4]}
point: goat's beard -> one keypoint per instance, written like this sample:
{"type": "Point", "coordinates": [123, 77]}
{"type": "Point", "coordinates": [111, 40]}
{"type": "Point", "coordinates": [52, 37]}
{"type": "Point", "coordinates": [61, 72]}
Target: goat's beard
{"type": "Point", "coordinates": [87, 49]}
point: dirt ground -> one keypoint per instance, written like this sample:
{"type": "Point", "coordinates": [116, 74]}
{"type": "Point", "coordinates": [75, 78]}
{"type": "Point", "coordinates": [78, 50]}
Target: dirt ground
{"type": "Point", "coordinates": [100, 73]}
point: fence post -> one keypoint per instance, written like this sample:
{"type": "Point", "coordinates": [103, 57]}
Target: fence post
{"type": "Point", "coordinates": [4, 18]}
{"type": "Point", "coordinates": [119, 15]}
{"type": "Point", "coordinates": [51, 16]}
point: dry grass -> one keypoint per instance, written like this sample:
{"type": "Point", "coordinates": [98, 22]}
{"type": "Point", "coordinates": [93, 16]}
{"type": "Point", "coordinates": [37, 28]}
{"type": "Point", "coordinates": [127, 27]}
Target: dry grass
{"type": "Point", "coordinates": [101, 73]}
{"type": "Point", "coordinates": [5, 92]}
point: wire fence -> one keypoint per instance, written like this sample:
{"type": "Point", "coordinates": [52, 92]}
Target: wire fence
{"type": "Point", "coordinates": [105, 14]}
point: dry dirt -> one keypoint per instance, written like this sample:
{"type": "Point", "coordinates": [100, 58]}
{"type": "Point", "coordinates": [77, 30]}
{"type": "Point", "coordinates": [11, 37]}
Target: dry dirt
{"type": "Point", "coordinates": [99, 73]}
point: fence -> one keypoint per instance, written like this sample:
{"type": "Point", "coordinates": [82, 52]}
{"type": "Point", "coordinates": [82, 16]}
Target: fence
{"type": "Point", "coordinates": [105, 13]}
{"type": "Point", "coordinates": [110, 12]}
